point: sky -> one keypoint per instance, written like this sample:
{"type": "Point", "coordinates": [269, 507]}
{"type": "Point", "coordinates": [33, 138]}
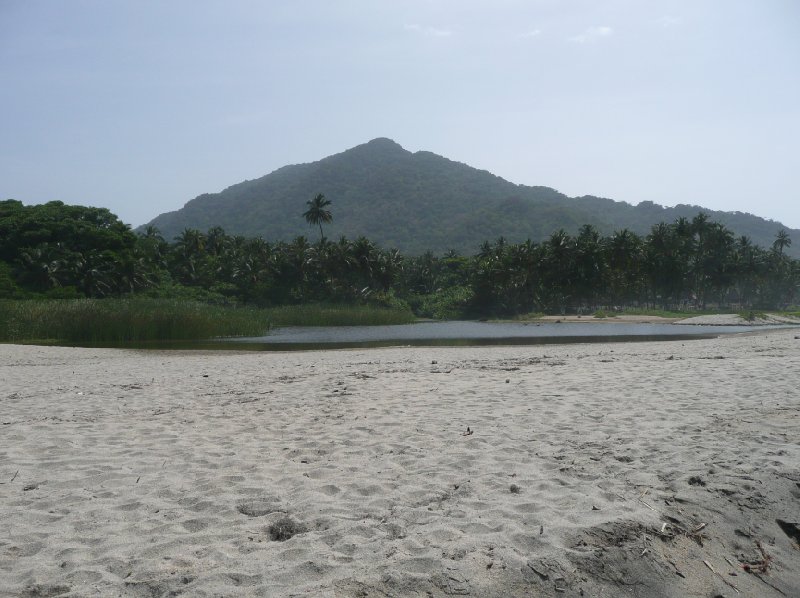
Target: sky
{"type": "Point", "coordinates": [141, 105]}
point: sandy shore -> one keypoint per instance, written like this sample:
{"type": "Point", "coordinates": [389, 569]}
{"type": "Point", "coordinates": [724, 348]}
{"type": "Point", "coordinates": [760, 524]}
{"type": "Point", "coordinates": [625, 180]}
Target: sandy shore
{"type": "Point", "coordinates": [737, 320]}
{"type": "Point", "coordinates": [640, 469]}
{"type": "Point", "coordinates": [610, 319]}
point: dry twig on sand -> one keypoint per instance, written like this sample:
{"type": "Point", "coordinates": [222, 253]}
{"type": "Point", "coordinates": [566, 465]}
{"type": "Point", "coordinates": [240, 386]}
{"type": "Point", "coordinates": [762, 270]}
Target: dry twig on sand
{"type": "Point", "coordinates": [718, 574]}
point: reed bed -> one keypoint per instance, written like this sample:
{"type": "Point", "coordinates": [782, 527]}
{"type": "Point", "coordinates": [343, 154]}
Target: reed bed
{"type": "Point", "coordinates": [125, 320]}
{"type": "Point", "coordinates": [338, 315]}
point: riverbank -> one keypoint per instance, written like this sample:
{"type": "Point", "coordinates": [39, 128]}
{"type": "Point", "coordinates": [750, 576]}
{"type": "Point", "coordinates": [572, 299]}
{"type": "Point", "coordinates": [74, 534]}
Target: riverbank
{"type": "Point", "coordinates": [640, 469]}
{"type": "Point", "coordinates": [610, 319]}
{"type": "Point", "coordinates": [738, 320]}
{"type": "Point", "coordinates": [761, 319]}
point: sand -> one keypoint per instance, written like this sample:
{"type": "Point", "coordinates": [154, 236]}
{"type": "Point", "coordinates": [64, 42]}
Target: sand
{"type": "Point", "coordinates": [625, 469]}
{"type": "Point", "coordinates": [737, 320]}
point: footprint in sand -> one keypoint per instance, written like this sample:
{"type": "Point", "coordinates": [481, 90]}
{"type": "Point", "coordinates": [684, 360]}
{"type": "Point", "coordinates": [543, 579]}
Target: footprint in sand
{"type": "Point", "coordinates": [258, 507]}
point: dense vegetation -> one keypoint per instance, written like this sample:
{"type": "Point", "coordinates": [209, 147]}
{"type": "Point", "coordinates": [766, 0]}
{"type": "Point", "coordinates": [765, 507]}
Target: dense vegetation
{"type": "Point", "coordinates": [125, 320]}
{"type": "Point", "coordinates": [418, 202]}
{"type": "Point", "coordinates": [57, 251]}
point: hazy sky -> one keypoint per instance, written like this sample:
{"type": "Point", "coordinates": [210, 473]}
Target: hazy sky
{"type": "Point", "coordinates": [141, 105]}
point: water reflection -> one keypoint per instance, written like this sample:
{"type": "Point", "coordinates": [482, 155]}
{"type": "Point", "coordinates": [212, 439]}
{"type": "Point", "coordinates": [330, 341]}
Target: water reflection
{"type": "Point", "coordinates": [446, 334]}
{"type": "Point", "coordinates": [461, 333]}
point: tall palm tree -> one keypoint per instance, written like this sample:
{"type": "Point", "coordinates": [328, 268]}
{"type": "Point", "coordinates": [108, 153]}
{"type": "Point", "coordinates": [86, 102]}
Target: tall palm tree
{"type": "Point", "coordinates": [317, 214]}
{"type": "Point", "coordinates": [782, 239]}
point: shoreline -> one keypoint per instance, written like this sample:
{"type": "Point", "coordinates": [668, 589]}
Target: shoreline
{"type": "Point", "coordinates": [612, 469]}
{"type": "Point", "coordinates": [732, 319]}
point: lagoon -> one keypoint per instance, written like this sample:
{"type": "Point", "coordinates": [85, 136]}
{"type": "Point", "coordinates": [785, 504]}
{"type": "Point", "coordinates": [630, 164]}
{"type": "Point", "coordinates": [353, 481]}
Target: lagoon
{"type": "Point", "coordinates": [470, 333]}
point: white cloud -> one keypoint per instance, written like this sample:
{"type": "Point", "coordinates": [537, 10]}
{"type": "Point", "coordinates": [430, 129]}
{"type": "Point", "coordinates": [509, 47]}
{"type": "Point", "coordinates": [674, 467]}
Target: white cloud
{"type": "Point", "coordinates": [429, 31]}
{"type": "Point", "coordinates": [591, 34]}
{"type": "Point", "coordinates": [531, 33]}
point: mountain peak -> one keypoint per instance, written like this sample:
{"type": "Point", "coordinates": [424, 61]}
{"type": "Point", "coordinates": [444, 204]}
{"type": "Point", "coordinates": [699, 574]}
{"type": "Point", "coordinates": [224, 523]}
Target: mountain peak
{"type": "Point", "coordinates": [419, 201]}
{"type": "Point", "coordinates": [382, 145]}
{"type": "Point", "coordinates": [384, 142]}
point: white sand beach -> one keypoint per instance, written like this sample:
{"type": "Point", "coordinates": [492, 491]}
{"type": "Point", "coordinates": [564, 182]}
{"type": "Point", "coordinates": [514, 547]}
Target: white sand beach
{"type": "Point", "coordinates": [626, 469]}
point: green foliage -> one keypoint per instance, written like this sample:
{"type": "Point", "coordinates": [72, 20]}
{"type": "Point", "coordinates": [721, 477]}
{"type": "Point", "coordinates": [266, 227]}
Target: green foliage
{"type": "Point", "coordinates": [8, 286]}
{"type": "Point", "coordinates": [422, 202]}
{"type": "Point", "coordinates": [55, 245]}
{"type": "Point", "coordinates": [169, 289]}
{"type": "Point", "coordinates": [124, 320]}
{"type": "Point", "coordinates": [317, 212]}
{"type": "Point", "coordinates": [450, 303]}
{"type": "Point", "coordinates": [686, 266]}
{"type": "Point", "coordinates": [600, 314]}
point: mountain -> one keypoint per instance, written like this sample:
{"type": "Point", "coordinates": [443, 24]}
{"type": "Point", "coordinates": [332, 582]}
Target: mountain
{"type": "Point", "coordinates": [421, 201]}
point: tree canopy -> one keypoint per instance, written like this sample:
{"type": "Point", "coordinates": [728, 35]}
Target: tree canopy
{"type": "Point", "coordinates": [59, 250]}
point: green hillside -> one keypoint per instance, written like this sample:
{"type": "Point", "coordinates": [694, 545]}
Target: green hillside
{"type": "Point", "coordinates": [421, 201]}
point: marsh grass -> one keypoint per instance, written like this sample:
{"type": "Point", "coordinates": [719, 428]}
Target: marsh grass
{"type": "Point", "coordinates": [132, 320]}
{"type": "Point", "coordinates": [125, 320]}
{"type": "Point", "coordinates": [337, 315]}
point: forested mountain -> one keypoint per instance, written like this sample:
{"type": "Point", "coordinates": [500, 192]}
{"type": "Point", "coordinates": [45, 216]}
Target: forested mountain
{"type": "Point", "coordinates": [420, 201]}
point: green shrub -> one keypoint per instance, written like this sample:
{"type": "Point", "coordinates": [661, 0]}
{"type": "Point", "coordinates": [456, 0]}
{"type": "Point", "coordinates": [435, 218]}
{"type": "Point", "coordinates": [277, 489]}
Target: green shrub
{"type": "Point", "coordinates": [8, 287]}
{"type": "Point", "coordinates": [446, 304]}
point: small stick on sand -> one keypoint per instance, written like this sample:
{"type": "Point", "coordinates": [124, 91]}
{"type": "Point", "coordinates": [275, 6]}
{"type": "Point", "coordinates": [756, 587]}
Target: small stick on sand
{"type": "Point", "coordinates": [14, 477]}
{"type": "Point", "coordinates": [648, 505]}
{"type": "Point", "coordinates": [714, 571]}
{"type": "Point", "coordinates": [769, 584]}
{"type": "Point", "coordinates": [678, 571]}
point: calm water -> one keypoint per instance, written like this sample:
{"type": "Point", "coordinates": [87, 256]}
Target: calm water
{"type": "Point", "coordinates": [459, 333]}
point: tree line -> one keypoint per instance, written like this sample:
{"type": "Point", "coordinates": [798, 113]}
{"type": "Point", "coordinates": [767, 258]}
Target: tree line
{"type": "Point", "coordinates": [56, 250]}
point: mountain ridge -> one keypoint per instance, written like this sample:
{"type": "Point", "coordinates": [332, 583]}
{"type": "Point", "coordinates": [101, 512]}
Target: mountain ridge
{"type": "Point", "coordinates": [419, 201]}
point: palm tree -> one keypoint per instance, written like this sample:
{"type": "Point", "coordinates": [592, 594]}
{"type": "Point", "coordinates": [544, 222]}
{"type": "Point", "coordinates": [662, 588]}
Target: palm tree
{"type": "Point", "coordinates": [317, 214]}
{"type": "Point", "coordinates": [625, 259]}
{"type": "Point", "coordinates": [782, 240]}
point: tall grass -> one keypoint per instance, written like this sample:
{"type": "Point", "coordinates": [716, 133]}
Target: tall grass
{"type": "Point", "coordinates": [337, 315]}
{"type": "Point", "coordinates": [125, 320]}
{"type": "Point", "coordinates": [142, 319]}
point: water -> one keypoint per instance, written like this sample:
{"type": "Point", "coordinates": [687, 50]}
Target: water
{"type": "Point", "coordinates": [460, 333]}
